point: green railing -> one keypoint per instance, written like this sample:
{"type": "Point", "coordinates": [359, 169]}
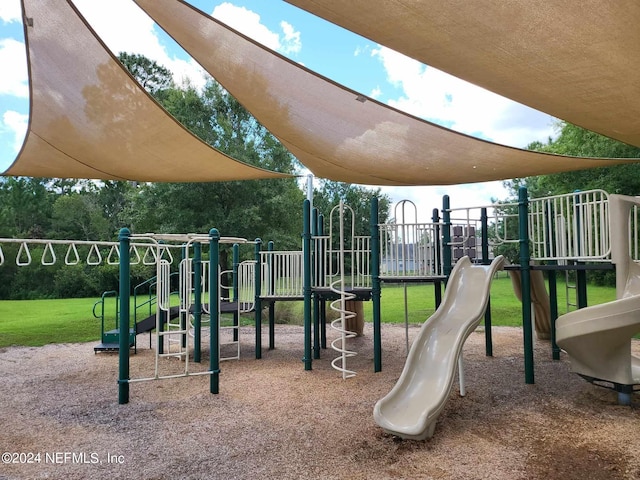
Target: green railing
{"type": "Point", "coordinates": [101, 316]}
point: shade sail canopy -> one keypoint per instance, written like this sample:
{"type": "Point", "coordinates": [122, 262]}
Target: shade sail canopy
{"type": "Point", "coordinates": [577, 60]}
{"type": "Point", "coordinates": [90, 119]}
{"type": "Point", "coordinates": [335, 132]}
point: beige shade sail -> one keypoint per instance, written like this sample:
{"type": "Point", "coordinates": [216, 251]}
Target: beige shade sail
{"type": "Point", "coordinates": [578, 60]}
{"type": "Point", "coordinates": [335, 132]}
{"type": "Point", "coordinates": [90, 119]}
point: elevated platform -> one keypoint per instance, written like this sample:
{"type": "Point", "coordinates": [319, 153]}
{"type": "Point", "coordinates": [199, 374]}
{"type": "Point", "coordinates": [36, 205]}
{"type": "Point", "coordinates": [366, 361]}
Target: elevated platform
{"type": "Point", "coordinates": [361, 293]}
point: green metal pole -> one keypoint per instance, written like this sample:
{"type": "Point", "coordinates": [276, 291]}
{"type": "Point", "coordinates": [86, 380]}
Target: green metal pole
{"type": "Point", "coordinates": [316, 300]}
{"type": "Point", "coordinates": [581, 286]}
{"type": "Point", "coordinates": [234, 281]}
{"type": "Point", "coordinates": [184, 317]}
{"type": "Point", "coordinates": [162, 314]}
{"type": "Point", "coordinates": [197, 300]}
{"type": "Point", "coordinates": [272, 304]}
{"type": "Point", "coordinates": [488, 340]}
{"type": "Point", "coordinates": [446, 236]}
{"type": "Point", "coordinates": [123, 335]}
{"type": "Point", "coordinates": [322, 304]}
{"type": "Point", "coordinates": [214, 311]}
{"type": "Point", "coordinates": [525, 272]}
{"type": "Point", "coordinates": [553, 305]}
{"type": "Point", "coordinates": [258, 299]}
{"type": "Point", "coordinates": [376, 289]}
{"type": "Point", "coordinates": [437, 285]}
{"type": "Point", "coordinates": [306, 281]}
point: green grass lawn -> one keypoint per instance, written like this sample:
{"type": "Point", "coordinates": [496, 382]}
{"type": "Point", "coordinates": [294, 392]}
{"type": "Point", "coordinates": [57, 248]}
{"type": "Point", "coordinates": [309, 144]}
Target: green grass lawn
{"type": "Point", "coordinates": [38, 322]}
{"type": "Point", "coordinates": [506, 309]}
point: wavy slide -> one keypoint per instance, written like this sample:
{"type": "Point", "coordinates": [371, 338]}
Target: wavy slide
{"type": "Point", "coordinates": [411, 408]}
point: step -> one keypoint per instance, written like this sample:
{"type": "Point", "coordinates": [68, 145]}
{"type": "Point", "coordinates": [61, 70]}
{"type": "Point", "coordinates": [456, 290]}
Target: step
{"type": "Point", "coordinates": [106, 347]}
{"type": "Point", "coordinates": [113, 336]}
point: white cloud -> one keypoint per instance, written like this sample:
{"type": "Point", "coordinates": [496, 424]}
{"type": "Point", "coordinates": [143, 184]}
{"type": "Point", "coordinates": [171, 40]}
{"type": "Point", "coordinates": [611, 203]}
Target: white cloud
{"type": "Point", "coordinates": [291, 42]}
{"type": "Point", "coordinates": [249, 23]}
{"type": "Point", "coordinates": [10, 11]}
{"type": "Point", "coordinates": [14, 80]}
{"type": "Point", "coordinates": [439, 97]}
{"type": "Point", "coordinates": [16, 123]}
{"type": "Point", "coordinates": [376, 93]}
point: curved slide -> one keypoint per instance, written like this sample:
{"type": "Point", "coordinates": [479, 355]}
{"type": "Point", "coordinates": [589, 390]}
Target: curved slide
{"type": "Point", "coordinates": [598, 338]}
{"type": "Point", "coordinates": [411, 408]}
{"type": "Point", "coordinates": [598, 341]}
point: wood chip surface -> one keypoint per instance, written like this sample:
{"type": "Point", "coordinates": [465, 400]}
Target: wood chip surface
{"type": "Point", "coordinates": [274, 420]}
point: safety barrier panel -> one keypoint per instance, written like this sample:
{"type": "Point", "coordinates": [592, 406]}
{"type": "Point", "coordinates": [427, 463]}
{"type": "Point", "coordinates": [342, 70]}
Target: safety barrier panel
{"type": "Point", "coordinates": [281, 274]}
{"type": "Point", "coordinates": [574, 226]}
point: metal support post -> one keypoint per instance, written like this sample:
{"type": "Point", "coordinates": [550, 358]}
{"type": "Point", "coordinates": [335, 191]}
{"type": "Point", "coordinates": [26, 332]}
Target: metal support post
{"type": "Point", "coordinates": [272, 304]}
{"type": "Point", "coordinates": [375, 285]}
{"type": "Point", "coordinates": [214, 310]}
{"type": "Point", "coordinates": [446, 237]}
{"type": "Point", "coordinates": [321, 303]}
{"type": "Point", "coordinates": [306, 281]}
{"type": "Point", "coordinates": [525, 273]}
{"type": "Point", "coordinates": [234, 289]}
{"type": "Point", "coordinates": [488, 340]}
{"type": "Point", "coordinates": [123, 335]}
{"type": "Point", "coordinates": [258, 300]}
{"type": "Point", "coordinates": [316, 310]}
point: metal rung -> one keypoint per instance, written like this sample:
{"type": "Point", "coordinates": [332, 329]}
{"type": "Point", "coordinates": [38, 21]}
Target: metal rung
{"type": "Point", "coordinates": [173, 354]}
{"type": "Point", "coordinates": [173, 332]}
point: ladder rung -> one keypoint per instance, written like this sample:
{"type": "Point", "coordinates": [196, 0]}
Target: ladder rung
{"type": "Point", "coordinates": [173, 354]}
{"type": "Point", "coordinates": [172, 332]}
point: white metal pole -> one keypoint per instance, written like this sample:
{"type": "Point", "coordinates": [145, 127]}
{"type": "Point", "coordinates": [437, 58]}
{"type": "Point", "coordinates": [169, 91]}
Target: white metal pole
{"type": "Point", "coordinates": [406, 317]}
{"type": "Point", "coordinates": [463, 390]}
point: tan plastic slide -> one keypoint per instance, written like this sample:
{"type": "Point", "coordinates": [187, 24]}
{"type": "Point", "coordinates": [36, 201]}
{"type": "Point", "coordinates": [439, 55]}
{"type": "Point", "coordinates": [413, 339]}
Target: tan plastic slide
{"type": "Point", "coordinates": [411, 408]}
{"type": "Point", "coordinates": [539, 300]}
{"type": "Point", "coordinates": [598, 339]}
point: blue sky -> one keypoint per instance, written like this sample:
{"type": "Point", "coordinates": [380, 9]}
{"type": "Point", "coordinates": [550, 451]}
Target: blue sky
{"type": "Point", "coordinates": [321, 46]}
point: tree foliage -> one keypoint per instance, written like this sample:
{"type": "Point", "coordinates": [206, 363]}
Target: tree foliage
{"type": "Point", "coordinates": [357, 198]}
{"type": "Point", "coordinates": [576, 141]}
{"type": "Point", "coordinates": [153, 77]}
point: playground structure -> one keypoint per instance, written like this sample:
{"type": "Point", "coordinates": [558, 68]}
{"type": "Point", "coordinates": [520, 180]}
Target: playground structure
{"type": "Point", "coordinates": [556, 234]}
